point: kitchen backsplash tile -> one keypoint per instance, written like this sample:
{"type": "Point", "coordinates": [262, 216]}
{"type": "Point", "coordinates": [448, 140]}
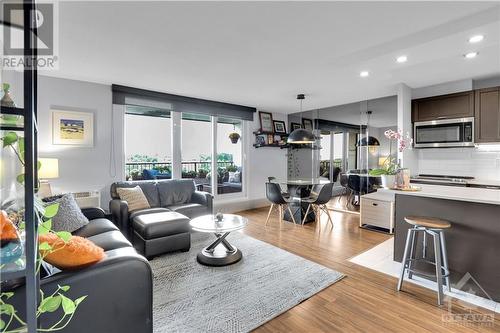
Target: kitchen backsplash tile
{"type": "Point", "coordinates": [460, 162]}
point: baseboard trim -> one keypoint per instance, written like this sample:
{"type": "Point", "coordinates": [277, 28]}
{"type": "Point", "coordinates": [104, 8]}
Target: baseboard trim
{"type": "Point", "coordinates": [240, 204]}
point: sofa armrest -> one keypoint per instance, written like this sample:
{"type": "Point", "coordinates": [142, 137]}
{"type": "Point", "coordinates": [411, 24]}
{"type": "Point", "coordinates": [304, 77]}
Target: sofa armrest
{"type": "Point", "coordinates": [119, 215]}
{"type": "Point", "coordinates": [93, 213]}
{"type": "Point", "coordinates": [203, 198]}
{"type": "Point", "coordinates": [119, 295]}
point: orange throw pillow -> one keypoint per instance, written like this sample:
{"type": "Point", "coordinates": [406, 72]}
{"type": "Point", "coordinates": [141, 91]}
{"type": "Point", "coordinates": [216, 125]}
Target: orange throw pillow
{"type": "Point", "coordinates": [77, 253]}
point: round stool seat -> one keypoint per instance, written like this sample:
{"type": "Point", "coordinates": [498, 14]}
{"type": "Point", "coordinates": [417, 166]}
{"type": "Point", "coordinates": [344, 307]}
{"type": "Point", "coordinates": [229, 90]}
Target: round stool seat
{"type": "Point", "coordinates": [428, 222]}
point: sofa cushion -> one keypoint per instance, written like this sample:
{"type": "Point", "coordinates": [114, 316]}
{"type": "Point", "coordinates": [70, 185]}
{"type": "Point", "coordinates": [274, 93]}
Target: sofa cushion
{"type": "Point", "coordinates": [147, 211]}
{"type": "Point", "coordinates": [95, 227]}
{"type": "Point", "coordinates": [148, 188]}
{"type": "Point", "coordinates": [175, 191]}
{"type": "Point", "coordinates": [134, 197]}
{"type": "Point", "coordinates": [69, 216]}
{"type": "Point", "coordinates": [110, 240]}
{"type": "Point", "coordinates": [191, 210]}
{"type": "Point", "coordinates": [155, 225]}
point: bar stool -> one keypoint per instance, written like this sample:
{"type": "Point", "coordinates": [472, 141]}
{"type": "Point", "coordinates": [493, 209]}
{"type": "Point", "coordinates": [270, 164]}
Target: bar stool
{"type": "Point", "coordinates": [427, 226]}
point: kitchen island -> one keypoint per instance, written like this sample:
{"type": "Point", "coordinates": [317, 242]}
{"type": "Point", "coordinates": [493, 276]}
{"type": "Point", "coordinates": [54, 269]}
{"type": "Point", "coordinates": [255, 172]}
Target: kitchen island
{"type": "Point", "coordinates": [473, 241]}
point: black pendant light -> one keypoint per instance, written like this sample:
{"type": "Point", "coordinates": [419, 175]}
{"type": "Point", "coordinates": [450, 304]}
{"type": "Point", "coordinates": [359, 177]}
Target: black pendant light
{"type": "Point", "coordinates": [368, 141]}
{"type": "Point", "coordinates": [301, 135]}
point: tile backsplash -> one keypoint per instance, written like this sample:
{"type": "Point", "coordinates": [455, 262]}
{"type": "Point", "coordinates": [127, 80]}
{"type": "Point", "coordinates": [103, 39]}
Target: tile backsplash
{"type": "Point", "coordinates": [460, 162]}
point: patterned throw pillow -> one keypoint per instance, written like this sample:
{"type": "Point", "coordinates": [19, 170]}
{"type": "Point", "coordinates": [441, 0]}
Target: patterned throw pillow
{"type": "Point", "coordinates": [69, 217]}
{"type": "Point", "coordinates": [134, 197]}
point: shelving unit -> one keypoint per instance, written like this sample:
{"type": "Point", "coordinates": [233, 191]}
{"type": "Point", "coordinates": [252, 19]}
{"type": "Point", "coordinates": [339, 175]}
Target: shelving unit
{"type": "Point", "coordinates": [276, 145]}
{"type": "Point", "coordinates": [29, 114]}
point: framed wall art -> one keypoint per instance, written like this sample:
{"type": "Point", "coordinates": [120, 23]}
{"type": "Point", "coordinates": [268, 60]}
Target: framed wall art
{"type": "Point", "coordinates": [72, 128]}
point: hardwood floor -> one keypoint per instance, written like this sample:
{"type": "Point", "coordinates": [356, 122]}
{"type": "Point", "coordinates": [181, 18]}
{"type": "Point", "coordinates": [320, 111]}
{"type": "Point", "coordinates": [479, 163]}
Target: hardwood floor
{"type": "Point", "coordinates": [365, 300]}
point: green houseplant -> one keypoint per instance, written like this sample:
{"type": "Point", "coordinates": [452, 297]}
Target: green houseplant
{"type": "Point", "coordinates": [10, 321]}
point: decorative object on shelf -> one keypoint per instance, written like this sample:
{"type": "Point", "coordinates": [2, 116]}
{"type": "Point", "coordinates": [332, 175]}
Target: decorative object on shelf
{"type": "Point", "coordinates": [7, 99]}
{"type": "Point", "coordinates": [301, 135]}
{"type": "Point", "coordinates": [266, 122]}
{"type": "Point", "coordinates": [279, 126]}
{"type": "Point", "coordinates": [307, 124]}
{"type": "Point", "coordinates": [11, 245]}
{"type": "Point", "coordinates": [295, 126]}
{"type": "Point", "coordinates": [234, 136]}
{"type": "Point", "coordinates": [261, 139]}
{"type": "Point", "coordinates": [73, 128]}
{"type": "Point", "coordinates": [49, 169]}
{"type": "Point", "coordinates": [270, 139]}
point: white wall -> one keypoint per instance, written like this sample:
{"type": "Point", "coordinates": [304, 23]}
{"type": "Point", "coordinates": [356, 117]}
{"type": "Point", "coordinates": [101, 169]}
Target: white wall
{"type": "Point", "coordinates": [80, 169]}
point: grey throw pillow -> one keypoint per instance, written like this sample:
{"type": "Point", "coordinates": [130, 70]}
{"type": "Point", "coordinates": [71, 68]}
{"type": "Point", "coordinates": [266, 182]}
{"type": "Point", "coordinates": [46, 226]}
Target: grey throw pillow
{"type": "Point", "coordinates": [69, 217]}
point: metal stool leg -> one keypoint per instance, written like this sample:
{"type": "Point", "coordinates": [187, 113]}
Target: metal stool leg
{"type": "Point", "coordinates": [413, 251]}
{"type": "Point", "coordinates": [439, 277]}
{"type": "Point", "coordinates": [405, 258]}
{"type": "Point", "coordinates": [445, 259]}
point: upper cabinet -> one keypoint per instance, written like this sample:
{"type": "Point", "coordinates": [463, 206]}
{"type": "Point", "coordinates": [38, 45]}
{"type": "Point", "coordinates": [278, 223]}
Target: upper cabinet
{"type": "Point", "coordinates": [487, 115]}
{"type": "Point", "coordinates": [449, 106]}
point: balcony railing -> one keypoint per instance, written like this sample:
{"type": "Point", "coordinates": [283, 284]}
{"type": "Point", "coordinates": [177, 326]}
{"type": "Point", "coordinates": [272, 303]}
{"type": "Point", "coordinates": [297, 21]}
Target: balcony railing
{"type": "Point", "coordinates": [166, 167]}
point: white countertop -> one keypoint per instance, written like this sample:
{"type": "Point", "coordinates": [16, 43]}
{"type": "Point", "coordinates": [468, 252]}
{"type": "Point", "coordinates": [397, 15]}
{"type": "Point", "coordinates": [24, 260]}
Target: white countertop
{"type": "Point", "coordinates": [470, 194]}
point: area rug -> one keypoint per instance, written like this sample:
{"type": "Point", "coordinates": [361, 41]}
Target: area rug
{"type": "Point", "coordinates": [189, 297]}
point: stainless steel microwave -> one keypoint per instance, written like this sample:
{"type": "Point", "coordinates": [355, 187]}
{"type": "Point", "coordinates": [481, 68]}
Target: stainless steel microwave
{"type": "Point", "coordinates": [443, 133]}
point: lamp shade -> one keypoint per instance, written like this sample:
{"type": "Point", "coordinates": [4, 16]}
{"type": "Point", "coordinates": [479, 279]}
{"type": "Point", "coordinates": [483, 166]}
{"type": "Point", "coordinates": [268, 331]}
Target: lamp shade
{"type": "Point", "coordinates": [370, 142]}
{"type": "Point", "coordinates": [301, 136]}
{"type": "Point", "coordinates": [49, 168]}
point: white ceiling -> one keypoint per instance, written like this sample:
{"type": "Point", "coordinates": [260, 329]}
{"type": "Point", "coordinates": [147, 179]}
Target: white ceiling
{"type": "Point", "coordinates": [262, 54]}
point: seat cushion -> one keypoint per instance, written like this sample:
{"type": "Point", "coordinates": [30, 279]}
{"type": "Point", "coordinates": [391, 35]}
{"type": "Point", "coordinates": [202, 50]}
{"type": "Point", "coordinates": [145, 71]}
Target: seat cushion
{"type": "Point", "coordinates": [147, 211]}
{"type": "Point", "coordinates": [110, 240]}
{"type": "Point", "coordinates": [175, 192]}
{"type": "Point", "coordinates": [190, 210]}
{"type": "Point", "coordinates": [161, 224]}
{"type": "Point", "coordinates": [95, 227]}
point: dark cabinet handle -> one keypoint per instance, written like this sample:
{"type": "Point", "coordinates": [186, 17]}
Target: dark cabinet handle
{"type": "Point", "coordinates": [375, 204]}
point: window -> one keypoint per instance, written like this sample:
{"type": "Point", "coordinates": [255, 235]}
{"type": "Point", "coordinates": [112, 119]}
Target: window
{"type": "Point", "coordinates": [148, 149]}
{"type": "Point", "coordinates": [197, 149]}
{"type": "Point", "coordinates": [229, 155]}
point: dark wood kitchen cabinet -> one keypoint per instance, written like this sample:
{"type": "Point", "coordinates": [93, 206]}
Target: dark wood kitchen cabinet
{"type": "Point", "coordinates": [487, 112]}
{"type": "Point", "coordinates": [459, 105]}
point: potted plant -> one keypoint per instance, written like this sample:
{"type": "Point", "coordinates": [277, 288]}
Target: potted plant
{"type": "Point", "coordinates": [390, 167]}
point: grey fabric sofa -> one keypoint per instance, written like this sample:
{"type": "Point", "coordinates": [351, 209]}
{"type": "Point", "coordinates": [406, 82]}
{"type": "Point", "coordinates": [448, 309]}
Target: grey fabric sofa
{"type": "Point", "coordinates": [161, 231]}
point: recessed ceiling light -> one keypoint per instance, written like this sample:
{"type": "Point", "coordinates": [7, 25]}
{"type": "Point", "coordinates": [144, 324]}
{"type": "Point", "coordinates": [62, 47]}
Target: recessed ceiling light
{"type": "Point", "coordinates": [402, 59]}
{"type": "Point", "coordinates": [364, 74]}
{"type": "Point", "coordinates": [470, 55]}
{"type": "Point", "coordinates": [476, 39]}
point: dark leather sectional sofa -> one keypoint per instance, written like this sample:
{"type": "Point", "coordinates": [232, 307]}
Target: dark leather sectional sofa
{"type": "Point", "coordinates": [118, 288]}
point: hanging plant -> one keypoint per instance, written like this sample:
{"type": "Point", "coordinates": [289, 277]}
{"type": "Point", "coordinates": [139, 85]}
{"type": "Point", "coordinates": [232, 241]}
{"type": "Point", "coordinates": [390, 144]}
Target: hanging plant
{"type": "Point", "coordinates": [234, 137]}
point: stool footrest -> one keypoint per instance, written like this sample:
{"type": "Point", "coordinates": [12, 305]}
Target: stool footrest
{"type": "Point", "coordinates": [427, 268]}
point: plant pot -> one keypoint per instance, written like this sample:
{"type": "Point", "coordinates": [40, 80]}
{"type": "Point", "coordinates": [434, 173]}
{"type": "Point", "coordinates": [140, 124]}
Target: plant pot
{"type": "Point", "coordinates": [388, 180]}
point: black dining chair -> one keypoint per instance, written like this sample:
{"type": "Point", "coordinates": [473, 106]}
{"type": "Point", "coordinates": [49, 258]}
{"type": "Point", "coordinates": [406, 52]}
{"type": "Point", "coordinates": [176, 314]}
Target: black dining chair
{"type": "Point", "coordinates": [275, 196]}
{"type": "Point", "coordinates": [285, 195]}
{"type": "Point", "coordinates": [335, 174]}
{"type": "Point", "coordinates": [319, 202]}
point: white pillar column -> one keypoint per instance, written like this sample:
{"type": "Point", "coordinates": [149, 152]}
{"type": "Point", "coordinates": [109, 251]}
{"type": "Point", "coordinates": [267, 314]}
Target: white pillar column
{"type": "Point", "coordinates": [408, 158]}
{"type": "Point", "coordinates": [176, 142]}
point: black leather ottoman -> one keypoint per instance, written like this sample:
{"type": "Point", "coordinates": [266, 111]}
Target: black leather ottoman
{"type": "Point", "coordinates": [161, 232]}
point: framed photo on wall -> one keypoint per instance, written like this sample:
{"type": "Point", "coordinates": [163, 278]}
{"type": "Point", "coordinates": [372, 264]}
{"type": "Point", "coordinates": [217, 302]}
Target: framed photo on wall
{"type": "Point", "coordinates": [72, 128]}
{"type": "Point", "coordinates": [307, 123]}
{"type": "Point", "coordinates": [279, 126]}
{"type": "Point", "coordinates": [295, 126]}
{"type": "Point", "coordinates": [266, 122]}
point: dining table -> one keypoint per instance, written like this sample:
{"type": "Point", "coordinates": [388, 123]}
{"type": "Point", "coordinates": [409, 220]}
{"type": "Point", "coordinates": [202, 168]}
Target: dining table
{"type": "Point", "coordinates": [298, 190]}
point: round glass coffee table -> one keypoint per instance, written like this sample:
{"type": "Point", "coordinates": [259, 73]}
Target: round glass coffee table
{"type": "Point", "coordinates": [220, 252]}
